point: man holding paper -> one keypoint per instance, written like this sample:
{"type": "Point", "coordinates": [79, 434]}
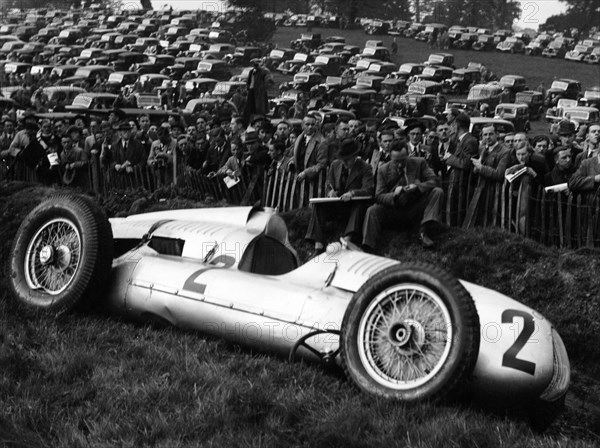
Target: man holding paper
{"type": "Point", "coordinates": [350, 184]}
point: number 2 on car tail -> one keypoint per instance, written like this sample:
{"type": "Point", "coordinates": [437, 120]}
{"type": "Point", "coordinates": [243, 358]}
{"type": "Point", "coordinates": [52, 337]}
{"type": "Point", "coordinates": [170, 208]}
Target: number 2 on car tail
{"type": "Point", "coordinates": [510, 359]}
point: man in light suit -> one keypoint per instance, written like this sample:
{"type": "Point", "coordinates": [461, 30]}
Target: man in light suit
{"type": "Point", "coordinates": [348, 177]}
{"type": "Point", "coordinates": [406, 191]}
{"type": "Point", "coordinates": [308, 161]}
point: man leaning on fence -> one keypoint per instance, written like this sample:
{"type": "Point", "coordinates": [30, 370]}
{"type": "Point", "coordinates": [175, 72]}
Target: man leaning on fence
{"type": "Point", "coordinates": [348, 178]}
{"type": "Point", "coordinates": [307, 160]}
{"type": "Point", "coordinates": [163, 156]}
{"type": "Point", "coordinates": [489, 168]}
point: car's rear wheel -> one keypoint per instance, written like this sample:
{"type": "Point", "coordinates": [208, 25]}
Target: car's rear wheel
{"type": "Point", "coordinates": [61, 255]}
{"type": "Point", "coordinates": [410, 333]}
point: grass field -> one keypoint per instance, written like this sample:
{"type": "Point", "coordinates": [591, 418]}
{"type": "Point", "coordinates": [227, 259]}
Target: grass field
{"type": "Point", "coordinates": [91, 380]}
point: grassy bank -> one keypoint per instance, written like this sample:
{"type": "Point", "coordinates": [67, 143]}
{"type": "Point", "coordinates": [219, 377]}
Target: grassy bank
{"type": "Point", "coordinates": [89, 379]}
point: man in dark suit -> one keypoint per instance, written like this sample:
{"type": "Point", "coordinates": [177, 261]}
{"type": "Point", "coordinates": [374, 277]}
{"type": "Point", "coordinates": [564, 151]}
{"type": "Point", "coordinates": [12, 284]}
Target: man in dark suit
{"type": "Point", "coordinates": [128, 152]}
{"type": "Point", "coordinates": [587, 176]}
{"type": "Point", "coordinates": [489, 168]}
{"type": "Point", "coordinates": [348, 177]}
{"type": "Point", "coordinates": [218, 152]}
{"type": "Point", "coordinates": [257, 100]}
{"type": "Point", "coordinates": [459, 166]}
{"type": "Point", "coordinates": [406, 191]}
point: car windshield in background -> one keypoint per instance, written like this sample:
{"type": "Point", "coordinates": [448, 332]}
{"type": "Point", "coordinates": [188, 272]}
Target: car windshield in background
{"type": "Point", "coordinates": [561, 85]}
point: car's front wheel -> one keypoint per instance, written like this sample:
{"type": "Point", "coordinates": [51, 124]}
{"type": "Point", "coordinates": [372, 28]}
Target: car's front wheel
{"type": "Point", "coordinates": [61, 255]}
{"type": "Point", "coordinates": [411, 333]}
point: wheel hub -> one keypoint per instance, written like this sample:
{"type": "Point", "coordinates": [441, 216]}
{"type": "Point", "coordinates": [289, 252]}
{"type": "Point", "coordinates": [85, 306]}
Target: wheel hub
{"type": "Point", "coordinates": [47, 255]}
{"type": "Point", "coordinates": [408, 335]}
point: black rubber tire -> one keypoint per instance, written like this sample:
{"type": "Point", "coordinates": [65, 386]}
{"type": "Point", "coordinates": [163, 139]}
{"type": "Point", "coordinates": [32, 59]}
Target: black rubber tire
{"type": "Point", "coordinates": [90, 275]}
{"type": "Point", "coordinates": [451, 371]}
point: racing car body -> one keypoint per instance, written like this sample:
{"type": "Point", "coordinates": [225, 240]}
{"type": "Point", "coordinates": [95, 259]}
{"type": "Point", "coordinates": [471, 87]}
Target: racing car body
{"type": "Point", "coordinates": [405, 331]}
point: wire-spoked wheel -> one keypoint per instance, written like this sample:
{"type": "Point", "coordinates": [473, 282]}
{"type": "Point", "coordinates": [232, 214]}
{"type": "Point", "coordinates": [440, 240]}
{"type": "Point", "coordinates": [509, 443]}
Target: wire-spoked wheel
{"type": "Point", "coordinates": [410, 333]}
{"type": "Point", "coordinates": [61, 255]}
{"type": "Point", "coordinates": [53, 256]}
{"type": "Point", "coordinates": [405, 336]}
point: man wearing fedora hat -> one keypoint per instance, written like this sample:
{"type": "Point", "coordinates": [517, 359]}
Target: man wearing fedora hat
{"type": "Point", "coordinates": [566, 137]}
{"type": "Point", "coordinates": [127, 151]}
{"type": "Point", "coordinates": [348, 177]}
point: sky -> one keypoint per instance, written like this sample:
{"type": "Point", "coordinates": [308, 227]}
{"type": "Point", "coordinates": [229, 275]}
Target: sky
{"type": "Point", "coordinates": [535, 12]}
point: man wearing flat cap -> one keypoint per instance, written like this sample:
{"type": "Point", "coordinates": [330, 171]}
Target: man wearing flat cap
{"type": "Point", "coordinates": [348, 177]}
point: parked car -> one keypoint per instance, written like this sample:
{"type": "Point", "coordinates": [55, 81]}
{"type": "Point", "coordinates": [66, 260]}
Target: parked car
{"type": "Point", "coordinates": [593, 57]}
{"type": "Point", "coordinates": [562, 88]}
{"type": "Point", "coordinates": [308, 40]}
{"type": "Point", "coordinates": [379, 68]}
{"type": "Point", "coordinates": [461, 81]}
{"type": "Point", "coordinates": [500, 35]}
{"type": "Point", "coordinates": [377, 27]}
{"type": "Point", "coordinates": [425, 87]}
{"type": "Point", "coordinates": [485, 42]}
{"type": "Point", "coordinates": [153, 64]}
{"type": "Point", "coordinates": [443, 59]}
{"type": "Point", "coordinates": [466, 41]}
{"type": "Point", "coordinates": [293, 66]}
{"type": "Point", "coordinates": [198, 86]}
{"type": "Point", "coordinates": [517, 114]}
{"type": "Point", "coordinates": [407, 71]}
{"type": "Point", "coordinates": [557, 48]}
{"type": "Point", "coordinates": [218, 51]}
{"type": "Point", "coordinates": [536, 46]}
{"type": "Point", "coordinates": [219, 70]}
{"type": "Point", "coordinates": [513, 84]}
{"type": "Point", "coordinates": [61, 94]}
{"type": "Point", "coordinates": [362, 102]}
{"type": "Point", "coordinates": [582, 114]}
{"type": "Point", "coordinates": [502, 127]}
{"type": "Point", "coordinates": [325, 65]}
{"type": "Point", "coordinates": [277, 56]}
{"type": "Point", "coordinates": [226, 89]}
{"type": "Point", "coordinates": [92, 100]}
{"type": "Point", "coordinates": [490, 93]}
{"type": "Point", "coordinates": [511, 45]}
{"type": "Point", "coordinates": [534, 101]}
{"type": "Point", "coordinates": [579, 53]}
{"type": "Point", "coordinates": [118, 80]}
{"type": "Point", "coordinates": [243, 55]}
{"type": "Point", "coordinates": [380, 53]}
{"type": "Point", "coordinates": [434, 73]}
{"type": "Point", "coordinates": [591, 98]}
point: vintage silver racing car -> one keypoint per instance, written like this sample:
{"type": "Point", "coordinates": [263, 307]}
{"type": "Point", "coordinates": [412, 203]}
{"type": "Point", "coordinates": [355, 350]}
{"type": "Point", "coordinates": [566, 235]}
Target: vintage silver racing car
{"type": "Point", "coordinates": [406, 331]}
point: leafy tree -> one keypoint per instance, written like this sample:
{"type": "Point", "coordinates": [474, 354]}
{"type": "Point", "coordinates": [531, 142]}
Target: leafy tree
{"type": "Point", "coordinates": [482, 13]}
{"type": "Point", "coordinates": [581, 14]}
